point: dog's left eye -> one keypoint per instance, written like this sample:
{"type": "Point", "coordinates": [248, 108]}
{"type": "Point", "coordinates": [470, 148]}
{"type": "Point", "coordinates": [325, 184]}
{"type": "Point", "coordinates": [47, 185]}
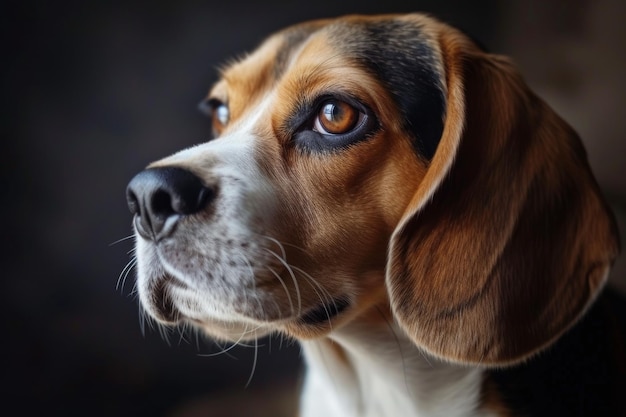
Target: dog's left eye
{"type": "Point", "coordinates": [218, 112]}
{"type": "Point", "coordinates": [222, 114]}
{"type": "Point", "coordinates": [332, 123]}
{"type": "Point", "coordinates": [336, 117]}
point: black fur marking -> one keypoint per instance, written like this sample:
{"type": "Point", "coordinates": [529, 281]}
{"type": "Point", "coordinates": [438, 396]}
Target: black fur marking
{"type": "Point", "coordinates": [397, 53]}
{"type": "Point", "coordinates": [582, 374]}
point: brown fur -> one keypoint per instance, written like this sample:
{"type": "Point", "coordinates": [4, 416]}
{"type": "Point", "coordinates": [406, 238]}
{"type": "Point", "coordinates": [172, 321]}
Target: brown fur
{"type": "Point", "coordinates": [484, 252]}
{"type": "Point", "coordinates": [516, 241]}
{"type": "Point", "coordinates": [504, 239]}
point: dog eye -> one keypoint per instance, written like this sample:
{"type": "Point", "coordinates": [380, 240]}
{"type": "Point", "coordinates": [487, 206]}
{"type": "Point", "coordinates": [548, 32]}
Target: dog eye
{"type": "Point", "coordinates": [218, 112]}
{"type": "Point", "coordinates": [222, 114]}
{"type": "Point", "coordinates": [336, 117]}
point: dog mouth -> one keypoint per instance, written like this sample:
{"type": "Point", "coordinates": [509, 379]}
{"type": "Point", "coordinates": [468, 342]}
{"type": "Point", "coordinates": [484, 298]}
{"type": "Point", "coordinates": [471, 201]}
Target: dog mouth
{"type": "Point", "coordinates": [162, 304]}
{"type": "Point", "coordinates": [325, 312]}
{"type": "Point", "coordinates": [163, 297]}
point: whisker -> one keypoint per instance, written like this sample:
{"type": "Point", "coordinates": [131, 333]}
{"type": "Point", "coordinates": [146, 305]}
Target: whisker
{"type": "Point", "coordinates": [134, 291]}
{"type": "Point", "coordinates": [164, 332]}
{"type": "Point", "coordinates": [291, 245]}
{"type": "Point", "coordinates": [196, 333]}
{"type": "Point", "coordinates": [250, 268]}
{"type": "Point", "coordinates": [284, 287]}
{"type": "Point", "coordinates": [256, 355]}
{"type": "Point", "coordinates": [283, 261]}
{"type": "Point", "coordinates": [121, 279]}
{"type": "Point", "coordinates": [122, 240]}
{"type": "Point", "coordinates": [142, 320]}
{"type": "Point", "coordinates": [325, 297]}
{"type": "Point", "coordinates": [247, 332]}
{"type": "Point", "coordinates": [182, 329]}
{"type": "Point", "coordinates": [223, 351]}
{"type": "Point", "coordinates": [232, 344]}
{"type": "Point", "coordinates": [280, 246]}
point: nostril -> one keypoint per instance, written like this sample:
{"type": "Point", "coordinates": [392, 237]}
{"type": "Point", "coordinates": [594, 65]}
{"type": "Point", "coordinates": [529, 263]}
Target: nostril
{"type": "Point", "coordinates": [185, 195]}
{"type": "Point", "coordinates": [161, 204]}
{"type": "Point", "coordinates": [156, 195]}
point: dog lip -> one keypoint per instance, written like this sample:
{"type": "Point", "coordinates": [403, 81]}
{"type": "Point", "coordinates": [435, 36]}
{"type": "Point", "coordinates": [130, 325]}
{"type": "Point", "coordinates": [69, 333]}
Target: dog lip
{"type": "Point", "coordinates": [140, 229]}
{"type": "Point", "coordinates": [162, 305]}
{"type": "Point", "coordinates": [168, 228]}
{"type": "Point", "coordinates": [325, 312]}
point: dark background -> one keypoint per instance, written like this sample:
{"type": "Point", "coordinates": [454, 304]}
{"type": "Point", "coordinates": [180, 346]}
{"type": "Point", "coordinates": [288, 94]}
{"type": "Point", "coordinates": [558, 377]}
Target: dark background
{"type": "Point", "coordinates": [93, 91]}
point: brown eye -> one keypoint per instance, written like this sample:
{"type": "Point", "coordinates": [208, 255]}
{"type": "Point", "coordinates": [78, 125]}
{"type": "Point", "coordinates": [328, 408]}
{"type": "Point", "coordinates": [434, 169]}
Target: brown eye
{"type": "Point", "coordinates": [336, 117]}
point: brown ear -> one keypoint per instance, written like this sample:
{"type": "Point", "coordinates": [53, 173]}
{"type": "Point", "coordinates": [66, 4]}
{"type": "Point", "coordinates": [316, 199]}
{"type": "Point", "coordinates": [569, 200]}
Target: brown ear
{"type": "Point", "coordinates": [507, 240]}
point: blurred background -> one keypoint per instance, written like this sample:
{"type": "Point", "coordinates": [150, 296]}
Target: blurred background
{"type": "Point", "coordinates": [93, 91]}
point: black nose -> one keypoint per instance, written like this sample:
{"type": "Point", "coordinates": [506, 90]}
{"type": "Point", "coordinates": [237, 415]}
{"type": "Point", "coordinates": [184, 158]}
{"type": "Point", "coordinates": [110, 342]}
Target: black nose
{"type": "Point", "coordinates": [158, 196]}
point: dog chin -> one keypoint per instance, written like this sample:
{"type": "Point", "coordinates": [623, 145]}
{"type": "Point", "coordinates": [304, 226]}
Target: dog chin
{"type": "Point", "coordinates": [234, 332]}
{"type": "Point", "coordinates": [316, 322]}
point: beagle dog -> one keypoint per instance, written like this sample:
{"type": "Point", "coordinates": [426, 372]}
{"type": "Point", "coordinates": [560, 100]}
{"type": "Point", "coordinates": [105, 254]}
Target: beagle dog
{"type": "Point", "coordinates": [386, 192]}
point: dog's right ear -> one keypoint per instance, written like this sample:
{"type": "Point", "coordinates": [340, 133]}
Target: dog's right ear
{"type": "Point", "coordinates": [507, 240]}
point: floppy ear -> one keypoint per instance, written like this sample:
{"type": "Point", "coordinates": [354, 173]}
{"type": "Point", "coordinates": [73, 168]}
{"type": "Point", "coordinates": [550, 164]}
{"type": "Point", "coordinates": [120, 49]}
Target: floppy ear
{"type": "Point", "coordinates": [507, 240]}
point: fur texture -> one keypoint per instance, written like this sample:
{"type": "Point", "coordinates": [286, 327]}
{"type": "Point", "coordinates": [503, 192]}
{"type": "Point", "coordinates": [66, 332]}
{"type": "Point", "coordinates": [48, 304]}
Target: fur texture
{"type": "Point", "coordinates": [450, 224]}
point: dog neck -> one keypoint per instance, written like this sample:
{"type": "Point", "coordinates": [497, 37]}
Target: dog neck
{"type": "Point", "coordinates": [374, 369]}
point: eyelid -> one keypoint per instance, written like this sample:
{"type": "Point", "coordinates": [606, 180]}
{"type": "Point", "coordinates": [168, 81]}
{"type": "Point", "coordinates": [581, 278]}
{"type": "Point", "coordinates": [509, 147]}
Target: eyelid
{"type": "Point", "coordinates": [208, 106]}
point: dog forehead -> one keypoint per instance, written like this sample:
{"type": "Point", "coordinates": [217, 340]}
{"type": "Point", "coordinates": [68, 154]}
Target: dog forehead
{"type": "Point", "coordinates": [403, 53]}
{"type": "Point", "coordinates": [400, 51]}
{"type": "Point", "coordinates": [406, 42]}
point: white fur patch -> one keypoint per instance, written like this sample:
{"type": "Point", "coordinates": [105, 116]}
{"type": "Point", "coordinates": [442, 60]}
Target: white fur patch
{"type": "Point", "coordinates": [210, 264]}
{"type": "Point", "coordinates": [385, 376]}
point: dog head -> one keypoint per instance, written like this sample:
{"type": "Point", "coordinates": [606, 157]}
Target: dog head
{"type": "Point", "coordinates": [376, 161]}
